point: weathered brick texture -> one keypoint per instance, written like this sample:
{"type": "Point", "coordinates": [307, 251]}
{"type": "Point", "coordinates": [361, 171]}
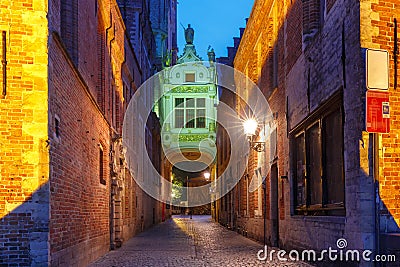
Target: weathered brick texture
{"type": "Point", "coordinates": [61, 203]}
{"type": "Point", "coordinates": [260, 50]}
{"type": "Point", "coordinates": [76, 191]}
{"type": "Point", "coordinates": [69, 27]}
{"type": "Point", "coordinates": [24, 169]}
{"type": "Point", "coordinates": [378, 24]}
{"type": "Point", "coordinates": [319, 55]}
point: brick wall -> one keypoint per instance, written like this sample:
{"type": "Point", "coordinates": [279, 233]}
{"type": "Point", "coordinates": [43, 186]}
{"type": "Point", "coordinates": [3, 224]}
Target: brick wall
{"type": "Point", "coordinates": [89, 15]}
{"type": "Point", "coordinates": [89, 213]}
{"type": "Point", "coordinates": [260, 47]}
{"type": "Point", "coordinates": [378, 32]}
{"type": "Point", "coordinates": [228, 205]}
{"type": "Point", "coordinates": [55, 189]}
{"type": "Point", "coordinates": [311, 16]}
{"type": "Point", "coordinates": [69, 15]}
{"type": "Point", "coordinates": [79, 202]}
{"type": "Point", "coordinates": [310, 71]}
{"type": "Point", "coordinates": [293, 35]}
{"type": "Point", "coordinates": [136, 16]}
{"type": "Point", "coordinates": [24, 171]}
{"type": "Point", "coordinates": [318, 73]}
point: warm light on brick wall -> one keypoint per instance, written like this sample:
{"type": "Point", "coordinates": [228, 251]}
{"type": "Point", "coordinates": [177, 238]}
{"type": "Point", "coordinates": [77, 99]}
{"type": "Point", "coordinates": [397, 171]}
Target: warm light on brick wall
{"type": "Point", "coordinates": [23, 110]}
{"type": "Point", "coordinates": [378, 31]}
{"type": "Point", "coordinates": [24, 146]}
{"type": "Point", "coordinates": [257, 57]}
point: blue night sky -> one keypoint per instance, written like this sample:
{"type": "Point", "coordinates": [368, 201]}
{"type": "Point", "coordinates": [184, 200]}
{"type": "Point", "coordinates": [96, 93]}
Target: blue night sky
{"type": "Point", "coordinates": [215, 23]}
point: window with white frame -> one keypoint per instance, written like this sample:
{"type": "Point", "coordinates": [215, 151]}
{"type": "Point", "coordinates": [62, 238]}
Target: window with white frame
{"type": "Point", "coordinates": [190, 112]}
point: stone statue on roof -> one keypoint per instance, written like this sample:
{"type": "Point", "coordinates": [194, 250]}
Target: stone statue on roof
{"type": "Point", "coordinates": [189, 34]}
{"type": "Point", "coordinates": [211, 54]}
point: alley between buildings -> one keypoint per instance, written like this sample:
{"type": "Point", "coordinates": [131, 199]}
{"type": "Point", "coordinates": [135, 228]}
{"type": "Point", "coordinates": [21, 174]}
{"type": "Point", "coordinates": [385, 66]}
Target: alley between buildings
{"type": "Point", "coordinates": [182, 241]}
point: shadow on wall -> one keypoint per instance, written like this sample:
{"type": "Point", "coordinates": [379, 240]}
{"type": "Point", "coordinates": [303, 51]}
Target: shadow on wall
{"type": "Point", "coordinates": [389, 239]}
{"type": "Point", "coordinates": [387, 221]}
{"type": "Point", "coordinates": [24, 231]}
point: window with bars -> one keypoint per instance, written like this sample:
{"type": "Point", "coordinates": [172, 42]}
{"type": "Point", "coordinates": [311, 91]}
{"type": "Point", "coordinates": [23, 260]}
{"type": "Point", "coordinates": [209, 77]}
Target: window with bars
{"type": "Point", "coordinates": [317, 165]}
{"type": "Point", "coordinates": [190, 112]}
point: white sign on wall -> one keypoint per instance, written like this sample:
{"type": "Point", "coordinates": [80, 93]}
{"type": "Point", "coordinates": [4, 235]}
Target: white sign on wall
{"type": "Point", "coordinates": [377, 69]}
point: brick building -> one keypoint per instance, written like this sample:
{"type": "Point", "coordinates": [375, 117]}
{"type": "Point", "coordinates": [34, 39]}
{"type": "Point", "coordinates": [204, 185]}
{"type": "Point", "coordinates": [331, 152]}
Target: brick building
{"type": "Point", "coordinates": [163, 17]}
{"type": "Point", "coordinates": [223, 208]}
{"type": "Point", "coordinates": [379, 30]}
{"type": "Point", "coordinates": [228, 60]}
{"type": "Point", "coordinates": [307, 57]}
{"type": "Point", "coordinates": [66, 196]}
{"type": "Point", "coordinates": [136, 15]}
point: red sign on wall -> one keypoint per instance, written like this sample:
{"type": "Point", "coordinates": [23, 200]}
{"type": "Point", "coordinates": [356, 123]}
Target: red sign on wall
{"type": "Point", "coordinates": [378, 112]}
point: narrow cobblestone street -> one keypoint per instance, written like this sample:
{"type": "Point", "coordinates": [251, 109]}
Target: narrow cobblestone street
{"type": "Point", "coordinates": [188, 242]}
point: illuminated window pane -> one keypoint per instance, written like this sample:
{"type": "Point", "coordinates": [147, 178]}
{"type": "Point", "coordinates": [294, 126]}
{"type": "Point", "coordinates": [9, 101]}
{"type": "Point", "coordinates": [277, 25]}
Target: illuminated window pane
{"type": "Point", "coordinates": [201, 102]}
{"type": "Point", "coordinates": [190, 118]}
{"type": "Point", "coordinates": [190, 112]}
{"type": "Point", "coordinates": [190, 103]}
{"type": "Point", "coordinates": [179, 102]}
{"type": "Point", "coordinates": [179, 118]}
{"type": "Point", "coordinates": [201, 118]}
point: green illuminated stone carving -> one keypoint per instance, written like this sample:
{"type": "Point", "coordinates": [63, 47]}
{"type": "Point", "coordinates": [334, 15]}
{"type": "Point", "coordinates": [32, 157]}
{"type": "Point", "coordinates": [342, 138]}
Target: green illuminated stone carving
{"type": "Point", "coordinates": [189, 89]}
{"type": "Point", "coordinates": [189, 137]}
{"type": "Point", "coordinates": [211, 127]}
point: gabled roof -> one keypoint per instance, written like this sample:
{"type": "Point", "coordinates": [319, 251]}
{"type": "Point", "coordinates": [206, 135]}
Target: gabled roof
{"type": "Point", "coordinates": [189, 54]}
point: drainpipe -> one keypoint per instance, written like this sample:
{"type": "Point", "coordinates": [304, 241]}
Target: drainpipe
{"type": "Point", "coordinates": [108, 28]}
{"type": "Point", "coordinates": [111, 41]}
{"type": "Point", "coordinates": [112, 202]}
{"type": "Point", "coordinates": [112, 245]}
{"type": "Point", "coordinates": [264, 186]}
{"type": "Point", "coordinates": [375, 147]}
{"type": "Point", "coordinates": [247, 185]}
{"type": "Point", "coordinates": [4, 63]}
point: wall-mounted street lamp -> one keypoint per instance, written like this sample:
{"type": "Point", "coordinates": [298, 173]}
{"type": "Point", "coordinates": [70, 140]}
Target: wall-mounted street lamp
{"type": "Point", "coordinates": [207, 175]}
{"type": "Point", "coordinates": [250, 128]}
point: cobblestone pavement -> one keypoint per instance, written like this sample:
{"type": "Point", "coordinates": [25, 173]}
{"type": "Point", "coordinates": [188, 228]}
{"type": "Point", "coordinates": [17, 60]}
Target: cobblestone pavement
{"type": "Point", "coordinates": [188, 242]}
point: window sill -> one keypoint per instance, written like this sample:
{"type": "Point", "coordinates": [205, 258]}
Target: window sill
{"type": "Point", "coordinates": [327, 219]}
{"type": "Point", "coordinates": [319, 211]}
